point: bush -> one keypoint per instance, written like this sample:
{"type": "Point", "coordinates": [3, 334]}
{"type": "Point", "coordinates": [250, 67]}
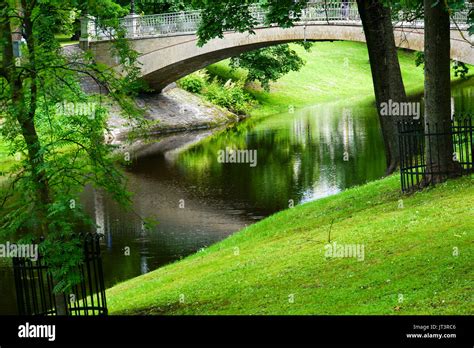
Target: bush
{"type": "Point", "coordinates": [193, 83]}
{"type": "Point", "coordinates": [231, 96]}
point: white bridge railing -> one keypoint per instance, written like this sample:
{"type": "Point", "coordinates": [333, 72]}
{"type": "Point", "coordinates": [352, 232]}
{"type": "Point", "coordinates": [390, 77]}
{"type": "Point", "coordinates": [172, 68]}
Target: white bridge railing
{"type": "Point", "coordinates": [187, 22]}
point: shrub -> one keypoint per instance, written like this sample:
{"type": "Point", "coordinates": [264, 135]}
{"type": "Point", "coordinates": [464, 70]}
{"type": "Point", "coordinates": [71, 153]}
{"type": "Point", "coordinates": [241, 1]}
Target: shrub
{"type": "Point", "coordinates": [231, 96]}
{"type": "Point", "coordinates": [193, 83]}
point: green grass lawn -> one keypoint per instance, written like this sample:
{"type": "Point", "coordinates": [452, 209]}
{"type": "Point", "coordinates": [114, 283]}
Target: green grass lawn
{"type": "Point", "coordinates": [65, 39]}
{"type": "Point", "coordinates": [326, 77]}
{"type": "Point", "coordinates": [278, 265]}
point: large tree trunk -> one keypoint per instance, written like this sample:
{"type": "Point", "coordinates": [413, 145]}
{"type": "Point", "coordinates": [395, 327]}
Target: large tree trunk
{"type": "Point", "coordinates": [386, 73]}
{"type": "Point", "coordinates": [25, 109]}
{"type": "Point", "coordinates": [439, 151]}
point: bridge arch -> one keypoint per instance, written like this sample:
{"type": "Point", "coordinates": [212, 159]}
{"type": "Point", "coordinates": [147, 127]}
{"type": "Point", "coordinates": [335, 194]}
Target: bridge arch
{"type": "Point", "coordinates": [185, 57]}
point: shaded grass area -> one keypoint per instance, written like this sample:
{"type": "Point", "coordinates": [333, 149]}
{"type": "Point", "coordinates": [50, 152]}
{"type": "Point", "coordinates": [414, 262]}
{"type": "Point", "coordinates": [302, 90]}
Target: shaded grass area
{"type": "Point", "coordinates": [65, 39]}
{"type": "Point", "coordinates": [278, 265]}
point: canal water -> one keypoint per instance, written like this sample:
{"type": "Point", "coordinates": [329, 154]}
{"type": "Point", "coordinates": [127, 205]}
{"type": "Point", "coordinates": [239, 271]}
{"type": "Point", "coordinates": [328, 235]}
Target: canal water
{"type": "Point", "coordinates": [302, 155]}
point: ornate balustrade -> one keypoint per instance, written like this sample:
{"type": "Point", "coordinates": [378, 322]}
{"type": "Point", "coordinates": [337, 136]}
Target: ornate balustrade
{"type": "Point", "coordinates": [187, 22]}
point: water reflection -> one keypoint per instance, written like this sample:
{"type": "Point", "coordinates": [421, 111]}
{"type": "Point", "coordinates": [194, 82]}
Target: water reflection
{"type": "Point", "coordinates": [302, 156]}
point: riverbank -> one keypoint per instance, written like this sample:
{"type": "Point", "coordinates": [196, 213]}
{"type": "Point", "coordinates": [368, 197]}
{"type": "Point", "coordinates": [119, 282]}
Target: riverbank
{"type": "Point", "coordinates": [280, 265]}
{"type": "Point", "coordinates": [178, 120]}
{"type": "Point", "coordinates": [172, 111]}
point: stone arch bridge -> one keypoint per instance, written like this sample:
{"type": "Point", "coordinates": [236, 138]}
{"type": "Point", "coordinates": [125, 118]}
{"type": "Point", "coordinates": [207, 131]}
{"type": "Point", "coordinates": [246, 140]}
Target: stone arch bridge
{"type": "Point", "coordinates": [167, 43]}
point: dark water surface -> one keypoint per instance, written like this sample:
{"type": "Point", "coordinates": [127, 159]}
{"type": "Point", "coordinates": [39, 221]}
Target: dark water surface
{"type": "Point", "coordinates": [301, 156]}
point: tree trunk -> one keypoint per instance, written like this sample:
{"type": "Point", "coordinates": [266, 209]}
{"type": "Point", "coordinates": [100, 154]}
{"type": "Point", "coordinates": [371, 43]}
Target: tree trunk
{"type": "Point", "coordinates": [440, 162]}
{"type": "Point", "coordinates": [25, 110]}
{"type": "Point", "coordinates": [386, 73]}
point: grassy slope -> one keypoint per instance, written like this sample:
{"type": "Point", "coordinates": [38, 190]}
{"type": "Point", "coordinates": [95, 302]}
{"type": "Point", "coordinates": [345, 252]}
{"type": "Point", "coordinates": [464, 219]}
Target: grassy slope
{"type": "Point", "coordinates": [408, 251]}
{"type": "Point", "coordinates": [284, 254]}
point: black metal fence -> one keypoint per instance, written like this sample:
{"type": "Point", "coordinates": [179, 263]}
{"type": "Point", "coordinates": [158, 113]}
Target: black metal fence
{"type": "Point", "coordinates": [34, 285]}
{"type": "Point", "coordinates": [422, 145]}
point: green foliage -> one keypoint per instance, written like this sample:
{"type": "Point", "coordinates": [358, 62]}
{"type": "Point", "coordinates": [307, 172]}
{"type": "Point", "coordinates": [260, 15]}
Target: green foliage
{"type": "Point", "coordinates": [470, 21]}
{"type": "Point", "coordinates": [268, 64]}
{"type": "Point", "coordinates": [156, 6]}
{"type": "Point", "coordinates": [413, 9]}
{"type": "Point", "coordinates": [220, 16]}
{"type": "Point", "coordinates": [231, 96]}
{"type": "Point", "coordinates": [105, 9]}
{"type": "Point", "coordinates": [460, 69]}
{"type": "Point", "coordinates": [61, 150]}
{"type": "Point", "coordinates": [66, 21]}
{"type": "Point", "coordinates": [322, 79]}
{"type": "Point", "coordinates": [192, 83]}
{"type": "Point", "coordinates": [283, 12]}
{"type": "Point", "coordinates": [419, 58]}
{"type": "Point", "coordinates": [264, 65]}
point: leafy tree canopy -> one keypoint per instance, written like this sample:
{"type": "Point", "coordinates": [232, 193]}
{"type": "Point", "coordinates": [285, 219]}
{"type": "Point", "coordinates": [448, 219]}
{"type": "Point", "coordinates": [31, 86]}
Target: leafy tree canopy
{"type": "Point", "coordinates": [268, 64]}
{"type": "Point", "coordinates": [220, 16]}
{"type": "Point", "coordinates": [55, 130]}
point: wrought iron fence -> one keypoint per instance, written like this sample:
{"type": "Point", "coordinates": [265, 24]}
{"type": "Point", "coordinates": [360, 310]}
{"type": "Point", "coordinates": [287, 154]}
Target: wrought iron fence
{"type": "Point", "coordinates": [422, 145]}
{"type": "Point", "coordinates": [34, 285]}
{"type": "Point", "coordinates": [187, 22]}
